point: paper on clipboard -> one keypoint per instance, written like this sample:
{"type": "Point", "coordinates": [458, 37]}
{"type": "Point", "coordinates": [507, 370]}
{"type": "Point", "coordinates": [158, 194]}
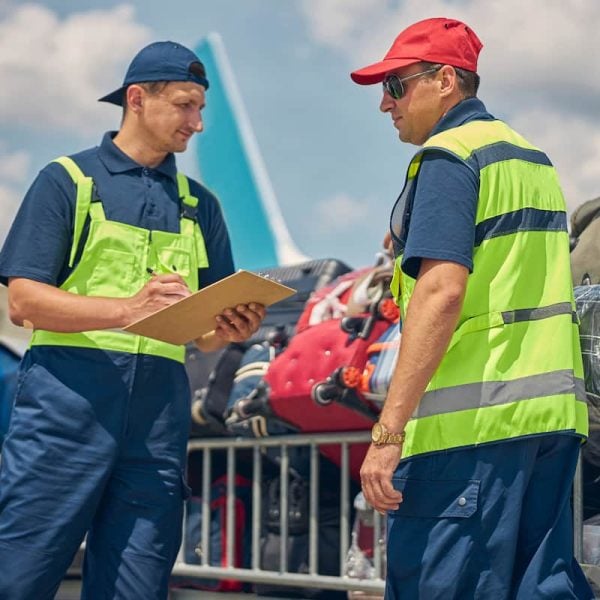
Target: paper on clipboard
{"type": "Point", "coordinates": [195, 315]}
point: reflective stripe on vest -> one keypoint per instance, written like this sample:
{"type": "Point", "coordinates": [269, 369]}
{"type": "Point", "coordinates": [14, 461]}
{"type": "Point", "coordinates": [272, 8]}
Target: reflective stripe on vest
{"type": "Point", "coordinates": [513, 366]}
{"type": "Point", "coordinates": [115, 262]}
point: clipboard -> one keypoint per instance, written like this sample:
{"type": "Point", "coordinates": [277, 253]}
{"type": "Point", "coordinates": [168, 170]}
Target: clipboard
{"type": "Point", "coordinates": [194, 316]}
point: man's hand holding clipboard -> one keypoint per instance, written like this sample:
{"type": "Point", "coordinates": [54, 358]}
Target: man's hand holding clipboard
{"type": "Point", "coordinates": [227, 311]}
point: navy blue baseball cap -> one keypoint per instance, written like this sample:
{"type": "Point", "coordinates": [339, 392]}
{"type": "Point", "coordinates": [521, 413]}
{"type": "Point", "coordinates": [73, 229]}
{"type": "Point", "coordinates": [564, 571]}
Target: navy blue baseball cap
{"type": "Point", "coordinates": [160, 61]}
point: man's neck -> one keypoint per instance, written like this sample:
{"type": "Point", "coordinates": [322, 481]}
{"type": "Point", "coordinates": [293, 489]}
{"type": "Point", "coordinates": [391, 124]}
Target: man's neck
{"type": "Point", "coordinates": [136, 148]}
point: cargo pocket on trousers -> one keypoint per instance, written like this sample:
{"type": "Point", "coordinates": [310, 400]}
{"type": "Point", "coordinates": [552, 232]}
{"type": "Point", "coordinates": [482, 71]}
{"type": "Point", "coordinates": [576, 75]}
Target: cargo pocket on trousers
{"type": "Point", "coordinates": [437, 499]}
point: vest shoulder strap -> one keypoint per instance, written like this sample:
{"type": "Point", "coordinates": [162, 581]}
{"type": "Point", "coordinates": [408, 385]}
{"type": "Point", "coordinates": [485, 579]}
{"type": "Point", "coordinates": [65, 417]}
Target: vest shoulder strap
{"type": "Point", "coordinates": [189, 218]}
{"type": "Point", "coordinates": [85, 186]}
{"type": "Point", "coordinates": [189, 202]}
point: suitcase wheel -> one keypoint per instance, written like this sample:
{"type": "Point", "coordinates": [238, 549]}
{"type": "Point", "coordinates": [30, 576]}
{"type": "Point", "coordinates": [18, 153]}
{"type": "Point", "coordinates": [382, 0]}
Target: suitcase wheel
{"type": "Point", "coordinates": [325, 393]}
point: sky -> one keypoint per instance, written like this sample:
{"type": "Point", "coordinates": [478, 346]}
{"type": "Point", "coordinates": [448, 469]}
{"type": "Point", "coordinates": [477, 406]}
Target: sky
{"type": "Point", "coordinates": [334, 160]}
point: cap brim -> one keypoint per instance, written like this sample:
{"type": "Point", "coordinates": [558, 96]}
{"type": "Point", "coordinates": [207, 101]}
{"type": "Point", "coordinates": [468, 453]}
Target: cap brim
{"type": "Point", "coordinates": [115, 97]}
{"type": "Point", "coordinates": [376, 72]}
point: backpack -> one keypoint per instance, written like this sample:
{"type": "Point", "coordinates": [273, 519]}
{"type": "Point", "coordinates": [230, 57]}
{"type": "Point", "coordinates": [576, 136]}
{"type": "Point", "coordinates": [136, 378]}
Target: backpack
{"type": "Point", "coordinates": [585, 243]}
{"type": "Point", "coordinates": [298, 543]}
{"type": "Point", "coordinates": [217, 540]}
{"type": "Point", "coordinates": [247, 413]}
{"type": "Point", "coordinates": [349, 295]}
{"type": "Point", "coordinates": [210, 392]}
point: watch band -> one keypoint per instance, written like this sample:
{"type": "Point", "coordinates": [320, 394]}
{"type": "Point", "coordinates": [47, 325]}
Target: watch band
{"type": "Point", "coordinates": [381, 436]}
{"type": "Point", "coordinates": [394, 438]}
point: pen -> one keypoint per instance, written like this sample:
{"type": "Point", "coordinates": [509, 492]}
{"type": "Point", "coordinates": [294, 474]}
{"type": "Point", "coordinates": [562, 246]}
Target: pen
{"type": "Point", "coordinates": [151, 271]}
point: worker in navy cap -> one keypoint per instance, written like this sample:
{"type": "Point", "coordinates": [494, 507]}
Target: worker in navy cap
{"type": "Point", "coordinates": [98, 433]}
{"type": "Point", "coordinates": [475, 449]}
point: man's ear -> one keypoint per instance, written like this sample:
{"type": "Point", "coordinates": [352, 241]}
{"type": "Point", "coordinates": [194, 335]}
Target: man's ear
{"type": "Point", "coordinates": [448, 80]}
{"type": "Point", "coordinates": [135, 98]}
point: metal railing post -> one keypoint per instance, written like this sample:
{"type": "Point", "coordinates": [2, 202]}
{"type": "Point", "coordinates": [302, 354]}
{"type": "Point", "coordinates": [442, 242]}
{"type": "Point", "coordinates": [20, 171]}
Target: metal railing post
{"type": "Point", "coordinates": [283, 509]}
{"type": "Point", "coordinates": [230, 516]}
{"type": "Point", "coordinates": [206, 477]}
{"type": "Point", "coordinates": [313, 524]}
{"type": "Point", "coordinates": [344, 506]}
{"type": "Point", "coordinates": [256, 505]}
{"type": "Point", "coordinates": [578, 511]}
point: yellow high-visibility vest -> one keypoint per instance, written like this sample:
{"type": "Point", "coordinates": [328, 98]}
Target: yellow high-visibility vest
{"type": "Point", "coordinates": [115, 263]}
{"type": "Point", "coordinates": [513, 367]}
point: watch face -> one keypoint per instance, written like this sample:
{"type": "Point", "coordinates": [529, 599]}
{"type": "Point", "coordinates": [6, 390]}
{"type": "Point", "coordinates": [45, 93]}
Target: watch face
{"type": "Point", "coordinates": [376, 432]}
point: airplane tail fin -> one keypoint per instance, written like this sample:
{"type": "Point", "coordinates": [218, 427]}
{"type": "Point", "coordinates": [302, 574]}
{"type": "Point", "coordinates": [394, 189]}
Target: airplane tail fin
{"type": "Point", "coordinates": [231, 166]}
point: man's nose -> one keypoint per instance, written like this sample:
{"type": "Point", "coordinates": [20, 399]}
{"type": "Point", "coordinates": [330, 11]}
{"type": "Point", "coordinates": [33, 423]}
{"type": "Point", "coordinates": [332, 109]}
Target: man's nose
{"type": "Point", "coordinates": [387, 102]}
{"type": "Point", "coordinates": [197, 123]}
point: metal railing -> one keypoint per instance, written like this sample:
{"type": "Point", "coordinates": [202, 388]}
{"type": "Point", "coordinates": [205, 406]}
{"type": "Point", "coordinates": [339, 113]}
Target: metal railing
{"type": "Point", "coordinates": [283, 576]}
{"type": "Point", "coordinates": [312, 579]}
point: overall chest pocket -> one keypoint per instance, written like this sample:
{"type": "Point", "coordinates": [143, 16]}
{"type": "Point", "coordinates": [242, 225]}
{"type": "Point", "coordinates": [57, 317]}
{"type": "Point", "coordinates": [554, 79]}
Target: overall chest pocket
{"type": "Point", "coordinates": [174, 260]}
{"type": "Point", "coordinates": [112, 275]}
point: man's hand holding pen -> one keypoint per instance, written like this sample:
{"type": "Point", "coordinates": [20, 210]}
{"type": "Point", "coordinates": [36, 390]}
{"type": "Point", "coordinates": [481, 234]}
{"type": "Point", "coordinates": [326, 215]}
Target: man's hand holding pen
{"type": "Point", "coordinates": [160, 290]}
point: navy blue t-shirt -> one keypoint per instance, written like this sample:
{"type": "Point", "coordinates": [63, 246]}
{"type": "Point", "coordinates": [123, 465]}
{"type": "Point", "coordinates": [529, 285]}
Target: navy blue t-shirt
{"type": "Point", "coordinates": [442, 223]}
{"type": "Point", "coordinates": [39, 242]}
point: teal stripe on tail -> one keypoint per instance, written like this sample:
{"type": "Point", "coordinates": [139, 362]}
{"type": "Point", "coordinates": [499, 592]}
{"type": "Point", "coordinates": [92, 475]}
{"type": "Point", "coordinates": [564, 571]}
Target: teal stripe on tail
{"type": "Point", "coordinates": [232, 167]}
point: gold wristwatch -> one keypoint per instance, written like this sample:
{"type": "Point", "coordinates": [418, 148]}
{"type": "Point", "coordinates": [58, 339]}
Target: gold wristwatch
{"type": "Point", "coordinates": [381, 436]}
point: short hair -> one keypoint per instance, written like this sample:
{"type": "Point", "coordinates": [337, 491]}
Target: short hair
{"type": "Point", "coordinates": [468, 81]}
{"type": "Point", "coordinates": [156, 87]}
{"type": "Point", "coordinates": [150, 87]}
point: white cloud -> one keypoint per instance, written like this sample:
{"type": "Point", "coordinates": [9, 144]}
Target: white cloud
{"type": "Point", "coordinates": [10, 199]}
{"type": "Point", "coordinates": [340, 212]}
{"type": "Point", "coordinates": [14, 166]}
{"type": "Point", "coordinates": [540, 47]}
{"type": "Point", "coordinates": [538, 66]}
{"type": "Point", "coordinates": [336, 22]}
{"type": "Point", "coordinates": [57, 69]}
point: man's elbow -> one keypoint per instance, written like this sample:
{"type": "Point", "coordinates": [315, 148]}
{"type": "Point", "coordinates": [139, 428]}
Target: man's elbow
{"type": "Point", "coordinates": [444, 283]}
{"type": "Point", "coordinates": [18, 305]}
{"type": "Point", "coordinates": [451, 298]}
{"type": "Point", "coordinates": [15, 313]}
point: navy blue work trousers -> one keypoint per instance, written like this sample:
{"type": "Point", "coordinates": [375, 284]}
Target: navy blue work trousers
{"type": "Point", "coordinates": [96, 445]}
{"type": "Point", "coordinates": [487, 523]}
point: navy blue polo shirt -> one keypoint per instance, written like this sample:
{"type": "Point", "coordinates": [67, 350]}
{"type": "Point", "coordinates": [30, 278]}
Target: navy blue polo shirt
{"type": "Point", "coordinates": [39, 242]}
{"type": "Point", "coordinates": [442, 223]}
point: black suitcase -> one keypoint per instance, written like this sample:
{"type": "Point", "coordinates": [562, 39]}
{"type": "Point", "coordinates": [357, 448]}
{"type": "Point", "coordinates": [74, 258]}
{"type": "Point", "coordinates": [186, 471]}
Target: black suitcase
{"type": "Point", "coordinates": [305, 278]}
{"type": "Point", "coordinates": [211, 374]}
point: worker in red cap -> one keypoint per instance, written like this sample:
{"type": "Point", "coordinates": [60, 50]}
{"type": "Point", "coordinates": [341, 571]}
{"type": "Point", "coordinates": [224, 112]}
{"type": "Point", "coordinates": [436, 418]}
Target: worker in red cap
{"type": "Point", "coordinates": [475, 449]}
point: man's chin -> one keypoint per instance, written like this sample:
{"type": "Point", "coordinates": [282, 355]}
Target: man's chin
{"type": "Point", "coordinates": [180, 146]}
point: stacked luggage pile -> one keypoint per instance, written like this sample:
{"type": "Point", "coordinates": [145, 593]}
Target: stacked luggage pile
{"type": "Point", "coordinates": [320, 363]}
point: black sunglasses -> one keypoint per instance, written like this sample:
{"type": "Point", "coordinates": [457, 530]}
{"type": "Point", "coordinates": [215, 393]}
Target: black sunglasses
{"type": "Point", "coordinates": [394, 86]}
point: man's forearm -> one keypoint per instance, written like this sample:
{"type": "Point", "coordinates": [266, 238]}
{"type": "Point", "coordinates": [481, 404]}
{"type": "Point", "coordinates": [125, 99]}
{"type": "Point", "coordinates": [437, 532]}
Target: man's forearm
{"type": "Point", "coordinates": [210, 342]}
{"type": "Point", "coordinates": [431, 319]}
{"type": "Point", "coordinates": [41, 306]}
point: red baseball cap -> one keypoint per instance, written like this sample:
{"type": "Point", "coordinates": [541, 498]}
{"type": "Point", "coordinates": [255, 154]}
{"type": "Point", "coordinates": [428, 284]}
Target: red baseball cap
{"type": "Point", "coordinates": [438, 40]}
